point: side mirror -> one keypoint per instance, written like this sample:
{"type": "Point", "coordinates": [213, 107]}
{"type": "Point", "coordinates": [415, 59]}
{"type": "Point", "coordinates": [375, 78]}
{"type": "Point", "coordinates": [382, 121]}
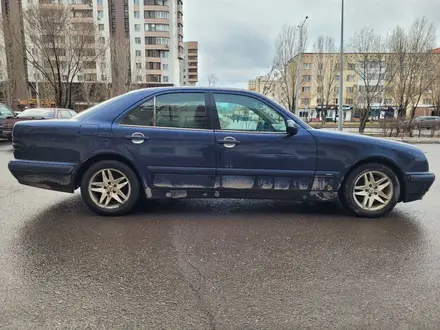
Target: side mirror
{"type": "Point", "coordinates": [291, 128]}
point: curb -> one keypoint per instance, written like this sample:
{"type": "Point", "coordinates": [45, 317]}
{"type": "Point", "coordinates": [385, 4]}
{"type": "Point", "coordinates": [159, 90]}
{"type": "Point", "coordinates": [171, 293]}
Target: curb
{"type": "Point", "coordinates": [416, 141]}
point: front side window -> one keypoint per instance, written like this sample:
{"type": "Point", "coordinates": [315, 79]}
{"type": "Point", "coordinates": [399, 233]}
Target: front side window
{"type": "Point", "coordinates": [180, 110]}
{"type": "Point", "coordinates": [244, 113]}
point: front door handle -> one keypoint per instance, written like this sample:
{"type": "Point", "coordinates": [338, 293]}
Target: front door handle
{"type": "Point", "coordinates": [228, 142]}
{"type": "Point", "coordinates": [137, 138]}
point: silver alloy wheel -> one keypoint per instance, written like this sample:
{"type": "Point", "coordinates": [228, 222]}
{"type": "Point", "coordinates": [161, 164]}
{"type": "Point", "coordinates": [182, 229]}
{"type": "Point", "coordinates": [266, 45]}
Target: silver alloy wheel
{"type": "Point", "coordinates": [109, 188]}
{"type": "Point", "coordinates": [373, 190]}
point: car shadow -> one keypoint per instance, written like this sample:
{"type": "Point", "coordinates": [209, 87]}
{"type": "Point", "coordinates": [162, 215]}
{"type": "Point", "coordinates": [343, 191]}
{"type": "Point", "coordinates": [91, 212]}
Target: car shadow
{"type": "Point", "coordinates": [72, 213]}
{"type": "Point", "coordinates": [67, 242]}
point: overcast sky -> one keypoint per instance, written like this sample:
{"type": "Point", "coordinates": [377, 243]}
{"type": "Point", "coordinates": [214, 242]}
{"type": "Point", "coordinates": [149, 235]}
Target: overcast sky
{"type": "Point", "coordinates": [236, 37]}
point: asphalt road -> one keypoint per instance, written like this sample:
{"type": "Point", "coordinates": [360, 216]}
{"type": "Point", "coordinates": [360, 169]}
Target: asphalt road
{"type": "Point", "coordinates": [215, 264]}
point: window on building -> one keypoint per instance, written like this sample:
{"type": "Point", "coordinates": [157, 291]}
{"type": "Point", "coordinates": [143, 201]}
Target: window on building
{"type": "Point", "coordinates": [138, 53]}
{"type": "Point", "coordinates": [137, 27]}
{"type": "Point", "coordinates": [156, 14]}
{"type": "Point", "coordinates": [165, 54]}
{"type": "Point", "coordinates": [152, 66]}
{"type": "Point", "coordinates": [165, 79]}
{"type": "Point", "coordinates": [244, 113]}
{"type": "Point", "coordinates": [319, 101]}
{"type": "Point", "coordinates": [305, 89]}
{"type": "Point", "coordinates": [135, 2]}
{"type": "Point", "coordinates": [137, 40]}
{"type": "Point", "coordinates": [351, 66]}
{"type": "Point", "coordinates": [157, 41]}
{"type": "Point", "coordinates": [337, 77]}
{"type": "Point", "coordinates": [103, 65]}
{"type": "Point", "coordinates": [101, 27]}
{"type": "Point", "coordinates": [103, 77]}
{"type": "Point", "coordinates": [349, 101]}
{"type": "Point", "coordinates": [305, 101]}
{"type": "Point", "coordinates": [150, 27]}
{"type": "Point", "coordinates": [156, 2]}
{"type": "Point", "coordinates": [138, 65]}
{"type": "Point", "coordinates": [320, 77]}
{"type": "Point", "coordinates": [137, 14]}
{"type": "Point", "coordinates": [165, 67]}
{"type": "Point", "coordinates": [307, 66]}
{"type": "Point", "coordinates": [100, 14]}
{"type": "Point", "coordinates": [319, 90]}
{"type": "Point", "coordinates": [138, 78]}
{"type": "Point", "coordinates": [99, 2]}
{"type": "Point", "coordinates": [307, 78]}
{"type": "Point", "coordinates": [388, 101]}
{"type": "Point", "coordinates": [336, 90]}
{"type": "Point", "coordinates": [427, 101]}
{"type": "Point", "coordinates": [350, 78]}
{"type": "Point", "coordinates": [320, 66]}
{"type": "Point", "coordinates": [102, 40]}
{"type": "Point", "coordinates": [350, 89]}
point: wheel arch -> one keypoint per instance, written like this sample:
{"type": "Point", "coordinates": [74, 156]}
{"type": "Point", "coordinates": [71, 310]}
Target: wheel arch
{"type": "Point", "coordinates": [101, 157]}
{"type": "Point", "coordinates": [383, 161]}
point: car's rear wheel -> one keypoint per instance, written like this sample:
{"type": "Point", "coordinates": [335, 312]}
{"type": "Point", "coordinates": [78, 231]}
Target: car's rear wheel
{"type": "Point", "coordinates": [371, 190]}
{"type": "Point", "coordinates": [110, 188]}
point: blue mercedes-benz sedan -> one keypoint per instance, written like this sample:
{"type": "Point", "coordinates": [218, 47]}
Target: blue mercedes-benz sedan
{"type": "Point", "coordinates": [212, 143]}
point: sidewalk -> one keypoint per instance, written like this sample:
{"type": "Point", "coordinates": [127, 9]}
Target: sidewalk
{"type": "Point", "coordinates": [415, 140]}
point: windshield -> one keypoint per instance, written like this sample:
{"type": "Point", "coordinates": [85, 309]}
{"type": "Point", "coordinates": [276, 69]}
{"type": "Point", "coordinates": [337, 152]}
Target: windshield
{"type": "Point", "coordinates": [37, 113]}
{"type": "Point", "coordinates": [5, 112]}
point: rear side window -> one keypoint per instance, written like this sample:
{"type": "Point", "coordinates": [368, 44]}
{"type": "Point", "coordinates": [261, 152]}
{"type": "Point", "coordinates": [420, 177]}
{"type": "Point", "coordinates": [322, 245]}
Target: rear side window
{"type": "Point", "coordinates": [177, 110]}
{"type": "Point", "coordinates": [5, 112]}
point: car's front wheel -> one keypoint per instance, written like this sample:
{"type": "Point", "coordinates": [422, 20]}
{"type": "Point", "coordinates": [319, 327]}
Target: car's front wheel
{"type": "Point", "coordinates": [371, 190]}
{"type": "Point", "coordinates": [110, 188]}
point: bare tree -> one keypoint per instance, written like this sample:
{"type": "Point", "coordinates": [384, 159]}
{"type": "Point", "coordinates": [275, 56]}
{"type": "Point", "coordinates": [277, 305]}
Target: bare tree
{"type": "Point", "coordinates": [127, 74]}
{"type": "Point", "coordinates": [435, 88]}
{"type": "Point", "coordinates": [370, 62]}
{"type": "Point", "coordinates": [212, 80]}
{"type": "Point", "coordinates": [415, 65]}
{"type": "Point", "coordinates": [284, 66]}
{"type": "Point", "coordinates": [326, 67]}
{"type": "Point", "coordinates": [57, 45]}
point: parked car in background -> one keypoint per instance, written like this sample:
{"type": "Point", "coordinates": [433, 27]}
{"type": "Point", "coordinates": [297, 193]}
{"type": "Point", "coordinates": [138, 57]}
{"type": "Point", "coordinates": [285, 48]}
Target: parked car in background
{"type": "Point", "coordinates": [427, 122]}
{"type": "Point", "coordinates": [35, 114]}
{"type": "Point", "coordinates": [187, 143]}
{"type": "Point", "coordinates": [5, 112]}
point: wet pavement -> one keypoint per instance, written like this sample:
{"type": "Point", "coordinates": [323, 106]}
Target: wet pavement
{"type": "Point", "coordinates": [215, 264]}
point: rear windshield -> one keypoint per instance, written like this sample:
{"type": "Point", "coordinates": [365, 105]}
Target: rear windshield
{"type": "Point", "coordinates": [37, 113]}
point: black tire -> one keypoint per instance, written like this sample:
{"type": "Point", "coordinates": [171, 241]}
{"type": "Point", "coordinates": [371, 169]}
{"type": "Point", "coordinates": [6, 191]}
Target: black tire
{"type": "Point", "coordinates": [127, 171]}
{"type": "Point", "coordinates": [346, 193]}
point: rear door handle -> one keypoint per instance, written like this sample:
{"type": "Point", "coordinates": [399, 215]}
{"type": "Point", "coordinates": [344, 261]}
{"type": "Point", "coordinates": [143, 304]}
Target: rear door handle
{"type": "Point", "coordinates": [228, 142]}
{"type": "Point", "coordinates": [137, 138]}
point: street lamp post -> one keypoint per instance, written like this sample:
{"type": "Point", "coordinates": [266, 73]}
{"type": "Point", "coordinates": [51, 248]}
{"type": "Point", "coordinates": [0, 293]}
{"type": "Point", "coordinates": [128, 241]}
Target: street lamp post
{"type": "Point", "coordinates": [341, 75]}
{"type": "Point", "coordinates": [298, 80]}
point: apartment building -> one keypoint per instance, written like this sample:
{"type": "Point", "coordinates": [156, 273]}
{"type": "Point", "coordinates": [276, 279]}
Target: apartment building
{"type": "Point", "coordinates": [150, 32]}
{"type": "Point", "coordinates": [269, 87]}
{"type": "Point", "coordinates": [190, 70]}
{"type": "Point", "coordinates": [320, 81]}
